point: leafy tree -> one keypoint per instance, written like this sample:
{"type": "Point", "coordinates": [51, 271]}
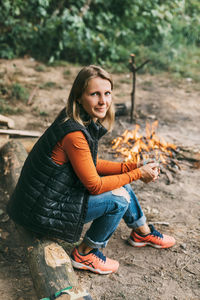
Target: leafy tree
{"type": "Point", "coordinates": [98, 31]}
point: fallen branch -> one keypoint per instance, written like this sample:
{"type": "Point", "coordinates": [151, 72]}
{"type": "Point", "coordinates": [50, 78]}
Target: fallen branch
{"type": "Point", "coordinates": [192, 155]}
{"type": "Point", "coordinates": [161, 223]}
{"type": "Point", "coordinates": [32, 94]}
{"type": "Point", "coordinates": [15, 133]}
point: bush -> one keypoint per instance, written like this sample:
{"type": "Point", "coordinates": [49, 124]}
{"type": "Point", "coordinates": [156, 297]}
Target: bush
{"type": "Point", "coordinates": [19, 92]}
{"type": "Point", "coordinates": [98, 31]}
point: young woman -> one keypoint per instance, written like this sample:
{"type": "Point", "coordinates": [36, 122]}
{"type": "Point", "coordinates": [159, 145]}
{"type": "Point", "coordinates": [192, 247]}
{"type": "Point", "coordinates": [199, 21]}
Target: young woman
{"type": "Point", "coordinates": [63, 183]}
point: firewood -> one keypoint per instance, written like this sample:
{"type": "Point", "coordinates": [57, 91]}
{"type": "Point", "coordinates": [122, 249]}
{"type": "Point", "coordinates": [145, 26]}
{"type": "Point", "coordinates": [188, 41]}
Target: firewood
{"type": "Point", "coordinates": [49, 264]}
{"type": "Point", "coordinates": [176, 163]}
{"type": "Point", "coordinates": [173, 170]}
{"type": "Point", "coordinates": [16, 133]}
{"type": "Point", "coordinates": [7, 121]}
{"type": "Point", "coordinates": [168, 175]}
{"type": "Point", "coordinates": [192, 155]}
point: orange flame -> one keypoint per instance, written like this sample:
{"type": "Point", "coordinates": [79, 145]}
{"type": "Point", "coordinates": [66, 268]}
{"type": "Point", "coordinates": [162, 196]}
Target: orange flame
{"type": "Point", "coordinates": [135, 147]}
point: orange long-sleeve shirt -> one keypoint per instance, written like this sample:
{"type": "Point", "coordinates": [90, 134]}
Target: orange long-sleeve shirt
{"type": "Point", "coordinates": [106, 176]}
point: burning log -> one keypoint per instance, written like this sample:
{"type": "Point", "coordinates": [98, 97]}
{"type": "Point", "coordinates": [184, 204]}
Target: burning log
{"type": "Point", "coordinates": [49, 264]}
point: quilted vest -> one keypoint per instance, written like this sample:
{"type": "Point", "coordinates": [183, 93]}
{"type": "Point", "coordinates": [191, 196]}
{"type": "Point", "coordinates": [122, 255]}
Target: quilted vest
{"type": "Point", "coordinates": [49, 199]}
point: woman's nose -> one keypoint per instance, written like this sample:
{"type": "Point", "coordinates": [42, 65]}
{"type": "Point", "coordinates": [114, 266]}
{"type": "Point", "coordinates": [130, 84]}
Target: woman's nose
{"type": "Point", "coordinates": [102, 99]}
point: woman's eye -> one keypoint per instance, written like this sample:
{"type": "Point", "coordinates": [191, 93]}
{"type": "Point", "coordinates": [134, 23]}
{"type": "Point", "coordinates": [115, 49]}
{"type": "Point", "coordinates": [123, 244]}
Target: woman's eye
{"type": "Point", "coordinates": [97, 93]}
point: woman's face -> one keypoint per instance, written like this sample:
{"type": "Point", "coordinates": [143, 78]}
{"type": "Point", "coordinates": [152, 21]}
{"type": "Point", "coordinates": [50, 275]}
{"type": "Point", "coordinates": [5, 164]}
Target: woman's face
{"type": "Point", "coordinates": [97, 98]}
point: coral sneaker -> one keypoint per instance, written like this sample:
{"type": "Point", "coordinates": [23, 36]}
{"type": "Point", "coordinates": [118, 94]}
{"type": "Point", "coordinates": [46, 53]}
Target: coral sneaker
{"type": "Point", "coordinates": [154, 239]}
{"type": "Point", "coordinates": [94, 261]}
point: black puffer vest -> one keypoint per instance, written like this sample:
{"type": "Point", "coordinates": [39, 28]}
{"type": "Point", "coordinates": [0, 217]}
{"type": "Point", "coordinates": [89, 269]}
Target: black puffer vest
{"type": "Point", "coordinates": [49, 199]}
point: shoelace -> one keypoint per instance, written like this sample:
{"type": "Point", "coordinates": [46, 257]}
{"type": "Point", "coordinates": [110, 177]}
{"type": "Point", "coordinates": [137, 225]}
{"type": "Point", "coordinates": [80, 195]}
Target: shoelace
{"type": "Point", "coordinates": [99, 254]}
{"type": "Point", "coordinates": [155, 232]}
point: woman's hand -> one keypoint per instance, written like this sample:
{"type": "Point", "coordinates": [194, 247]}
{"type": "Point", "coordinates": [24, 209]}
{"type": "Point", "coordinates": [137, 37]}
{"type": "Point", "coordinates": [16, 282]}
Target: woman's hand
{"type": "Point", "coordinates": [149, 172]}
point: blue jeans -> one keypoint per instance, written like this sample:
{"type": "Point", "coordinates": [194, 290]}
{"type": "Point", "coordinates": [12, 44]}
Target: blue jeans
{"type": "Point", "coordinates": [106, 211]}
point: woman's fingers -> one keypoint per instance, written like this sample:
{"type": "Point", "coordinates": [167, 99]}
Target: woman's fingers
{"type": "Point", "coordinates": [153, 165]}
{"type": "Point", "coordinates": [149, 172]}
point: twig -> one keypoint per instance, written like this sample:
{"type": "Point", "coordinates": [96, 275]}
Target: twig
{"type": "Point", "coordinates": [142, 65]}
{"type": "Point", "coordinates": [187, 270]}
{"type": "Point", "coordinates": [32, 94]}
{"type": "Point", "coordinates": [161, 223]}
{"type": "Point", "coordinates": [187, 263]}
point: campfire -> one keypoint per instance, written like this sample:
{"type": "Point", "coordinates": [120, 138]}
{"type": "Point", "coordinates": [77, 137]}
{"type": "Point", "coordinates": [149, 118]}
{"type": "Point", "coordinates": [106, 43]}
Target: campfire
{"type": "Point", "coordinates": [134, 146]}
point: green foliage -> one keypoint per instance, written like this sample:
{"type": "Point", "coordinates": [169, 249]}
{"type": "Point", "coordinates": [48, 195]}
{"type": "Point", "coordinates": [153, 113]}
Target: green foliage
{"type": "Point", "coordinates": [40, 68]}
{"type": "Point", "coordinates": [10, 94]}
{"type": "Point", "coordinates": [103, 32]}
{"type": "Point", "coordinates": [19, 92]}
{"type": "Point", "coordinates": [6, 108]}
{"type": "Point", "coordinates": [48, 85]}
{"type": "Point", "coordinates": [43, 113]}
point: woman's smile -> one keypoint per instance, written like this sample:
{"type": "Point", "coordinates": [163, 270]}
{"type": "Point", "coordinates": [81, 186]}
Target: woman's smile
{"type": "Point", "coordinates": [100, 108]}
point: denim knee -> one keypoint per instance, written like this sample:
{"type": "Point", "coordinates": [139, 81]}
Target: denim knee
{"type": "Point", "coordinates": [120, 199]}
{"type": "Point", "coordinates": [128, 188]}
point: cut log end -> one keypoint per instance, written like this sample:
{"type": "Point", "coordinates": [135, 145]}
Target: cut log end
{"type": "Point", "coordinates": [7, 121]}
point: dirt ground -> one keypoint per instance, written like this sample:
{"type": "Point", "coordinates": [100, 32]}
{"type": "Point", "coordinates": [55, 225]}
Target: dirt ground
{"type": "Point", "coordinates": [144, 273]}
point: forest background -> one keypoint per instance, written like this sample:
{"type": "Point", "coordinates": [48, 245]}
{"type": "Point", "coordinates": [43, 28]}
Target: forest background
{"type": "Point", "coordinates": [104, 32]}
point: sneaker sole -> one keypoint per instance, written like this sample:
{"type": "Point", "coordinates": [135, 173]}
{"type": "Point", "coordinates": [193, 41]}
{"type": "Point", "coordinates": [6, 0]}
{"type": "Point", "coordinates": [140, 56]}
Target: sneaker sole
{"type": "Point", "coordinates": [136, 244]}
{"type": "Point", "coordinates": [80, 266]}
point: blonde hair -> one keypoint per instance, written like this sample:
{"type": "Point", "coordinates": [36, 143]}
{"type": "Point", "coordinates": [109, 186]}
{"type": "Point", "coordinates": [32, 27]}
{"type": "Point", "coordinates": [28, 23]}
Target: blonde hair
{"type": "Point", "coordinates": [74, 109]}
